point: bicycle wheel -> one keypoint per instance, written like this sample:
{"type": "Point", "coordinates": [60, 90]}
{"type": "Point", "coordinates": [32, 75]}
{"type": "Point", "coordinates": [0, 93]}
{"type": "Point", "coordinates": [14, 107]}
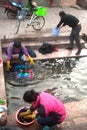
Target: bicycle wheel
{"type": "Point", "coordinates": [18, 22]}
{"type": "Point", "coordinates": [38, 23]}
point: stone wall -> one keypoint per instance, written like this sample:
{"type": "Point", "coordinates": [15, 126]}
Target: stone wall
{"type": "Point", "coordinates": [68, 2]}
{"type": "Point", "coordinates": [3, 1]}
{"type": "Point", "coordinates": [82, 3]}
{"type": "Point", "coordinates": [48, 2]}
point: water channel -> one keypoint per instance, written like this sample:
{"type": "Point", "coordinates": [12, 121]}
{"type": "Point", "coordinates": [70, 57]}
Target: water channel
{"type": "Point", "coordinates": [64, 78]}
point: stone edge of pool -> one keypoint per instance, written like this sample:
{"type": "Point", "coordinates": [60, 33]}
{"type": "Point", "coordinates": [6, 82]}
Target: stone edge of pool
{"type": "Point", "coordinates": [2, 88]}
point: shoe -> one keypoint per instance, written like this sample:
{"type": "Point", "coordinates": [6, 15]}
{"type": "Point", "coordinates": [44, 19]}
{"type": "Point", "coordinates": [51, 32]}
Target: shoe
{"type": "Point", "coordinates": [46, 128]}
{"type": "Point", "coordinates": [69, 48]}
{"type": "Point", "coordinates": [78, 52]}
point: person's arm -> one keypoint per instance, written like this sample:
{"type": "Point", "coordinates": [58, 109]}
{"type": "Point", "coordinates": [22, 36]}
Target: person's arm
{"type": "Point", "coordinates": [27, 114]}
{"type": "Point", "coordinates": [35, 105]}
{"type": "Point", "coordinates": [8, 66]}
{"type": "Point", "coordinates": [31, 60]}
{"type": "Point", "coordinates": [9, 56]}
{"type": "Point", "coordinates": [60, 24]}
{"type": "Point", "coordinates": [9, 52]}
{"type": "Point", "coordinates": [25, 51]}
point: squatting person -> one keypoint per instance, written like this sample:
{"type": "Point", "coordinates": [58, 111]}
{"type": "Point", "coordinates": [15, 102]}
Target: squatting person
{"type": "Point", "coordinates": [50, 110]}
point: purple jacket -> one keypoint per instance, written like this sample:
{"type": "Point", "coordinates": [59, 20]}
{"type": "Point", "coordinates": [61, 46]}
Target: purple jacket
{"type": "Point", "coordinates": [11, 50]}
{"type": "Point", "coordinates": [48, 105]}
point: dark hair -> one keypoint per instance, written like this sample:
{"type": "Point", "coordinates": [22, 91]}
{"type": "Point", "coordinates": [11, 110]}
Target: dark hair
{"type": "Point", "coordinates": [17, 43]}
{"type": "Point", "coordinates": [30, 96]}
{"type": "Point", "coordinates": [61, 13]}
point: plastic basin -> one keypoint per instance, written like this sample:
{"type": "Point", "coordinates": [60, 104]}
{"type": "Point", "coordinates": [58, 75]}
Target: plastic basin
{"type": "Point", "coordinates": [21, 122]}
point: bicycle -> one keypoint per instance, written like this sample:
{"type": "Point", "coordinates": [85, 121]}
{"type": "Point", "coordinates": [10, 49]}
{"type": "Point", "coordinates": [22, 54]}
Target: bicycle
{"type": "Point", "coordinates": [37, 20]}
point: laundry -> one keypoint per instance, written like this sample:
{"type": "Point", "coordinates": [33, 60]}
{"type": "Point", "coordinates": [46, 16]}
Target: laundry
{"type": "Point", "coordinates": [46, 48]}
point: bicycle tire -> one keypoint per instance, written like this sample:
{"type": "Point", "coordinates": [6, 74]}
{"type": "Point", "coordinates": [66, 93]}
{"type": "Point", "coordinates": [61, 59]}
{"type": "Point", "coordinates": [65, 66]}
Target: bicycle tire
{"type": "Point", "coordinates": [11, 14]}
{"type": "Point", "coordinates": [17, 26]}
{"type": "Point", "coordinates": [38, 23]}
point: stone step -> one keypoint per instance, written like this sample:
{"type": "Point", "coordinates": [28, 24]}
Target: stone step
{"type": "Point", "coordinates": [37, 38]}
{"type": "Point", "coordinates": [60, 54]}
{"type": "Point", "coordinates": [36, 45]}
{"type": "Point", "coordinates": [33, 38]}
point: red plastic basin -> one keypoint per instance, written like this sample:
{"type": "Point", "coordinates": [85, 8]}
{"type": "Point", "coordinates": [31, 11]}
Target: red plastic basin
{"type": "Point", "coordinates": [26, 123]}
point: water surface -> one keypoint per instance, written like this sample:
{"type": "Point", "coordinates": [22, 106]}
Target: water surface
{"type": "Point", "coordinates": [64, 78]}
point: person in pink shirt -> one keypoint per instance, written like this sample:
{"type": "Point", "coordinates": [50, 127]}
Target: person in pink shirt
{"type": "Point", "coordinates": [50, 110]}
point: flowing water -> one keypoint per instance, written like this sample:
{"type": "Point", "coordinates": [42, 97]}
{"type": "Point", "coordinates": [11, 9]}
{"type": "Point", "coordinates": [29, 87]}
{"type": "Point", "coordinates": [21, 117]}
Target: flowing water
{"type": "Point", "coordinates": [64, 78]}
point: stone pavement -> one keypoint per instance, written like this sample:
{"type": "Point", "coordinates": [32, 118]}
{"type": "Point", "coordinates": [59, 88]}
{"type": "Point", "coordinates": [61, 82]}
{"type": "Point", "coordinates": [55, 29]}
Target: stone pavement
{"type": "Point", "coordinates": [76, 117]}
{"type": "Point", "coordinates": [7, 26]}
{"type": "Point", "coordinates": [76, 111]}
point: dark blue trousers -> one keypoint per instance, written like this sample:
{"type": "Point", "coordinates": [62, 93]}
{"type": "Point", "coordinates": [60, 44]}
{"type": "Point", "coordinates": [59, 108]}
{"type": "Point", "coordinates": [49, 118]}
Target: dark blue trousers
{"type": "Point", "coordinates": [47, 121]}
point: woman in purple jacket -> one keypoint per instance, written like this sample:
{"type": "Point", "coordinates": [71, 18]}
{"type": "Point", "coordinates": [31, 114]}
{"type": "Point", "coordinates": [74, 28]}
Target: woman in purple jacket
{"type": "Point", "coordinates": [50, 110]}
{"type": "Point", "coordinates": [16, 47]}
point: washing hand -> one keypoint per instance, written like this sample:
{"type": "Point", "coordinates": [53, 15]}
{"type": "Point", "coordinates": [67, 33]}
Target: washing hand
{"type": "Point", "coordinates": [31, 60]}
{"type": "Point", "coordinates": [8, 66]}
{"type": "Point", "coordinates": [33, 116]}
{"type": "Point", "coordinates": [27, 112]}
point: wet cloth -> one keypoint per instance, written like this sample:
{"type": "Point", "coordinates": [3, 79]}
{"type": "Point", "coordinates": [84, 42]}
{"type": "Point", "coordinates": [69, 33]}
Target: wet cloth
{"type": "Point", "coordinates": [32, 53]}
{"type": "Point", "coordinates": [46, 48]}
{"type": "Point", "coordinates": [49, 107]}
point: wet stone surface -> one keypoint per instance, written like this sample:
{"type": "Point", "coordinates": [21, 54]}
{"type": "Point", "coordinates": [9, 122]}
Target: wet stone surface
{"type": "Point", "coordinates": [9, 128]}
{"type": "Point", "coordinates": [64, 78]}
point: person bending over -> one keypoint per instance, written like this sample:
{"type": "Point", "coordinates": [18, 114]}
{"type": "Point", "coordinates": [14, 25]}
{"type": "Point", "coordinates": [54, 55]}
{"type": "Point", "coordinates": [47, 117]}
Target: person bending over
{"type": "Point", "coordinates": [16, 47]}
{"type": "Point", "coordinates": [74, 23]}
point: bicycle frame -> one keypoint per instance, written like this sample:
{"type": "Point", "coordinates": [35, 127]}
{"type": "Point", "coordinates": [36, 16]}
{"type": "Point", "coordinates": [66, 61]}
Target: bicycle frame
{"type": "Point", "coordinates": [30, 21]}
{"type": "Point", "coordinates": [37, 22]}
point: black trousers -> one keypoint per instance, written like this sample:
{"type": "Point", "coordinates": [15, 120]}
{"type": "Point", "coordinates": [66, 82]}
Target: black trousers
{"type": "Point", "coordinates": [74, 36]}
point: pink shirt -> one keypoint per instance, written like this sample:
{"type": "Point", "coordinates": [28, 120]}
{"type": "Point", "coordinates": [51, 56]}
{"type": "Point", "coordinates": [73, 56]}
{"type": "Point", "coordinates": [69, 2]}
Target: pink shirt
{"type": "Point", "coordinates": [50, 104]}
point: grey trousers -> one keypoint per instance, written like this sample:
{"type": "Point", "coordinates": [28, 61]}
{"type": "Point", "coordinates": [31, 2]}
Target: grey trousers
{"type": "Point", "coordinates": [74, 36]}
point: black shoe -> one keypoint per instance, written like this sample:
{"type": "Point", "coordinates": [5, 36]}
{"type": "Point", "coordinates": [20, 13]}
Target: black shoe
{"type": "Point", "coordinates": [78, 52]}
{"type": "Point", "coordinates": [69, 48]}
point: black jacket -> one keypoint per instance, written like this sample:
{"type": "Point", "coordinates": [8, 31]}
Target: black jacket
{"type": "Point", "coordinates": [69, 20]}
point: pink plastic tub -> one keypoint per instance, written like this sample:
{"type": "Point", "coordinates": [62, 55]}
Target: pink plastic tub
{"type": "Point", "coordinates": [23, 123]}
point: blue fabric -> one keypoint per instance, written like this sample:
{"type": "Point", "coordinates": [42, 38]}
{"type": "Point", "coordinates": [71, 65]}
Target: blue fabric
{"type": "Point", "coordinates": [49, 128]}
{"type": "Point", "coordinates": [21, 56]}
{"type": "Point", "coordinates": [32, 53]}
{"type": "Point", "coordinates": [47, 121]}
{"type": "Point", "coordinates": [46, 128]}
